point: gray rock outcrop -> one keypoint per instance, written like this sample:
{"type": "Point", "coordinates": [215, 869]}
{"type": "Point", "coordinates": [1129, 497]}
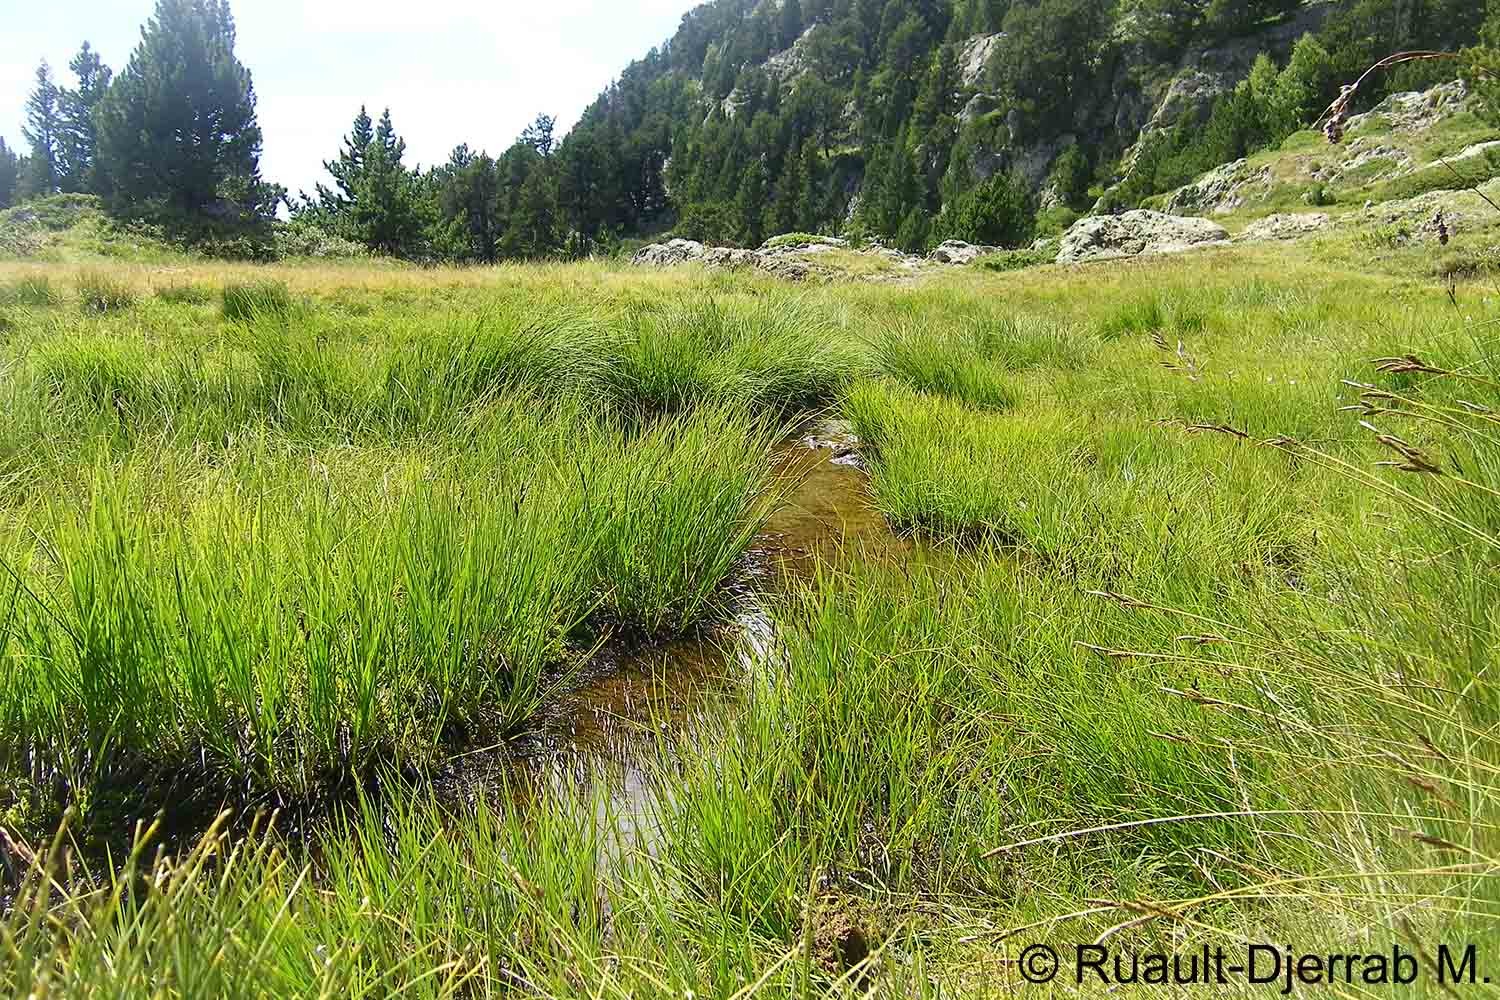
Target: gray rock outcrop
{"type": "Point", "coordinates": [1288, 226]}
{"type": "Point", "coordinates": [959, 252]}
{"type": "Point", "coordinates": [1222, 190]}
{"type": "Point", "coordinates": [1135, 234]}
{"type": "Point", "coordinates": [796, 259]}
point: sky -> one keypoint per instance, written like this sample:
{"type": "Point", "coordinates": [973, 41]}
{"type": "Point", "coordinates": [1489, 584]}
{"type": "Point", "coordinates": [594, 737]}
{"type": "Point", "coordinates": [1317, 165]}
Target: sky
{"type": "Point", "coordinates": [451, 71]}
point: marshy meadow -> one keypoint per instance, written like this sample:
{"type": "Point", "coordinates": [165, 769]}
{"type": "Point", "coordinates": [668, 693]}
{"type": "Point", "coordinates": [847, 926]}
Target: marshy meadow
{"type": "Point", "coordinates": [583, 630]}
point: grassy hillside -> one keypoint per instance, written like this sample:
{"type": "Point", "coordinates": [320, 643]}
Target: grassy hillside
{"type": "Point", "coordinates": [1187, 635]}
{"type": "Point", "coordinates": [1413, 144]}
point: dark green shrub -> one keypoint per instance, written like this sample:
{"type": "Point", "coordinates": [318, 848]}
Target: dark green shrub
{"type": "Point", "coordinates": [1015, 260]}
{"type": "Point", "coordinates": [999, 212]}
{"type": "Point", "coordinates": [1318, 196]}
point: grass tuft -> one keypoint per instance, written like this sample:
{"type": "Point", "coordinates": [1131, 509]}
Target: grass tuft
{"type": "Point", "coordinates": [185, 293]}
{"type": "Point", "coordinates": [101, 293]}
{"type": "Point", "coordinates": [241, 303]}
{"type": "Point", "coordinates": [32, 290]}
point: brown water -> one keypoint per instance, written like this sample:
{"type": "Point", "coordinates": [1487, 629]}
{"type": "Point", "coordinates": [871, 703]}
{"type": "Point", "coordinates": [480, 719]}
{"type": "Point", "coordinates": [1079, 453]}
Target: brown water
{"type": "Point", "coordinates": [632, 709]}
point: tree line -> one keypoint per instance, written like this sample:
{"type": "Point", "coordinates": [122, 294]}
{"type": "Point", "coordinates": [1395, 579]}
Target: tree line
{"type": "Point", "coordinates": [758, 117]}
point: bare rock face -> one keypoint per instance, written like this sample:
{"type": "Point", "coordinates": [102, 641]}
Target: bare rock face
{"type": "Point", "coordinates": [1134, 234]}
{"type": "Point", "coordinates": [1286, 227]}
{"type": "Point", "coordinates": [974, 57]}
{"type": "Point", "coordinates": [959, 252]}
{"type": "Point", "coordinates": [778, 262]}
{"type": "Point", "coordinates": [795, 258]}
{"type": "Point", "coordinates": [729, 257]}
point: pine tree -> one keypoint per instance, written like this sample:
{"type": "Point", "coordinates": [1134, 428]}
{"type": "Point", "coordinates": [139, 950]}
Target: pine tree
{"type": "Point", "coordinates": [809, 207]}
{"type": "Point", "coordinates": [78, 145]}
{"type": "Point", "coordinates": [538, 135]}
{"type": "Point", "coordinates": [999, 212]}
{"type": "Point", "coordinates": [535, 223]}
{"type": "Point", "coordinates": [387, 213]}
{"type": "Point", "coordinates": [1482, 64]}
{"type": "Point", "coordinates": [10, 175]}
{"type": "Point", "coordinates": [1302, 89]}
{"type": "Point", "coordinates": [177, 130]}
{"type": "Point", "coordinates": [348, 169]}
{"type": "Point", "coordinates": [911, 235]}
{"type": "Point", "coordinates": [750, 204]}
{"type": "Point", "coordinates": [781, 215]}
{"type": "Point", "coordinates": [43, 130]}
{"type": "Point", "coordinates": [1261, 87]}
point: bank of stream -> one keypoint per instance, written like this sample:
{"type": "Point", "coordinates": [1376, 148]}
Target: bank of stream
{"type": "Point", "coordinates": [630, 709]}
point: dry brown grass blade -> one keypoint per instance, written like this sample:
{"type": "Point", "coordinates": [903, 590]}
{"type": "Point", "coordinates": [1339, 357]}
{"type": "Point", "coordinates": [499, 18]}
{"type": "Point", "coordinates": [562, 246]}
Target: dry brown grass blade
{"type": "Point", "coordinates": [1202, 640]}
{"type": "Point", "coordinates": [1334, 118]}
{"type": "Point", "coordinates": [1413, 459]}
{"type": "Point", "coordinates": [16, 859]}
{"type": "Point", "coordinates": [1113, 655]}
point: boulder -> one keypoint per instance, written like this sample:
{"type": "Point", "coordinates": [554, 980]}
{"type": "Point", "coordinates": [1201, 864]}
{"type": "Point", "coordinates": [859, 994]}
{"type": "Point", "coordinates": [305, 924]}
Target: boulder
{"type": "Point", "coordinates": [1286, 227]}
{"type": "Point", "coordinates": [791, 259]}
{"type": "Point", "coordinates": [1134, 234]}
{"type": "Point", "coordinates": [785, 268]}
{"type": "Point", "coordinates": [669, 254]}
{"type": "Point", "coordinates": [1414, 110]}
{"type": "Point", "coordinates": [805, 244]}
{"type": "Point", "coordinates": [959, 252]}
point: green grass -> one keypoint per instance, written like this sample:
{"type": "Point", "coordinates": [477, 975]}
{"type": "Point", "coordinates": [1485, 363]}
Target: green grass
{"type": "Point", "coordinates": [100, 293]}
{"type": "Point", "coordinates": [956, 366]}
{"type": "Point", "coordinates": [241, 302]}
{"type": "Point", "coordinates": [255, 625]}
{"type": "Point", "coordinates": [1167, 654]}
{"type": "Point", "coordinates": [186, 293]}
{"type": "Point", "coordinates": [1441, 177]}
{"type": "Point", "coordinates": [32, 290]}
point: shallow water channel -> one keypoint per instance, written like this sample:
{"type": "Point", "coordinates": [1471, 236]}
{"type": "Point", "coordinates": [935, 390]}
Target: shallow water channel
{"type": "Point", "coordinates": [630, 707]}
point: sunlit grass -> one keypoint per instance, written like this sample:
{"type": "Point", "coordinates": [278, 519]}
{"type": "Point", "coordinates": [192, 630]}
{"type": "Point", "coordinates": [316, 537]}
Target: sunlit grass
{"type": "Point", "coordinates": [1175, 659]}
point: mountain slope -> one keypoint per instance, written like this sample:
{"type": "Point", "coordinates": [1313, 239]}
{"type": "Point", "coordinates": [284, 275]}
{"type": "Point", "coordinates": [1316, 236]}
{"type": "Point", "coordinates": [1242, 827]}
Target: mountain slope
{"type": "Point", "coordinates": [919, 120]}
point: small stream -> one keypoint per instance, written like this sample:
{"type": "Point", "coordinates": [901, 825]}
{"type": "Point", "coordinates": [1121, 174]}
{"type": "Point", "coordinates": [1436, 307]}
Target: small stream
{"type": "Point", "coordinates": [629, 707]}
